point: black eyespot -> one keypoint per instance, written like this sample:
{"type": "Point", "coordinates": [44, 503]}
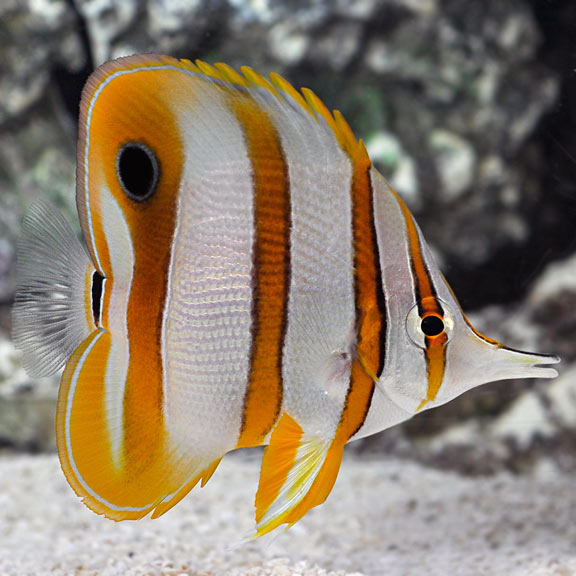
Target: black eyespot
{"type": "Point", "coordinates": [432, 325]}
{"type": "Point", "coordinates": [138, 171]}
{"type": "Point", "coordinates": [97, 293]}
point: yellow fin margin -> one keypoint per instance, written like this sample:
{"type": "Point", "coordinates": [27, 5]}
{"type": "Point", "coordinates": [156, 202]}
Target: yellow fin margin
{"type": "Point", "coordinates": [203, 478]}
{"type": "Point", "coordinates": [281, 88]}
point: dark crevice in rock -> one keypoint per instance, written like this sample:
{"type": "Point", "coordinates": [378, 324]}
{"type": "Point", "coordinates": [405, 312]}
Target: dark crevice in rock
{"type": "Point", "coordinates": [508, 275]}
{"type": "Point", "coordinates": [70, 83]}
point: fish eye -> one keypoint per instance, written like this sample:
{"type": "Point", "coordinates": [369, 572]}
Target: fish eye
{"type": "Point", "coordinates": [138, 171]}
{"type": "Point", "coordinates": [421, 329]}
{"type": "Point", "coordinates": [432, 325]}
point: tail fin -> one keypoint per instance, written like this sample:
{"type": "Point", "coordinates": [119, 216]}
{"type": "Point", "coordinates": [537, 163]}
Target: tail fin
{"type": "Point", "coordinates": [52, 311]}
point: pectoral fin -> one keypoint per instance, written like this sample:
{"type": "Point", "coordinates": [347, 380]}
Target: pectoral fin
{"type": "Point", "coordinates": [298, 472]}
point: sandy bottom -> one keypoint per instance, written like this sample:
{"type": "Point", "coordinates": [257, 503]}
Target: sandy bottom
{"type": "Point", "coordinates": [383, 518]}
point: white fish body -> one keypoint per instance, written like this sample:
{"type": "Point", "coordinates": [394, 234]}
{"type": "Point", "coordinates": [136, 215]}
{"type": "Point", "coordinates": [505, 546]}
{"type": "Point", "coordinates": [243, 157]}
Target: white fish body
{"type": "Point", "coordinates": [251, 280]}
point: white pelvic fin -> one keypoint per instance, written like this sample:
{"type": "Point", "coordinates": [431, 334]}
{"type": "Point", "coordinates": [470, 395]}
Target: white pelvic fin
{"type": "Point", "coordinates": [52, 311]}
{"type": "Point", "coordinates": [298, 472]}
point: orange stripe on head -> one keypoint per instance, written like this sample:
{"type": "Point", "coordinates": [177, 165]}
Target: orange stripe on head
{"type": "Point", "coordinates": [87, 178]}
{"type": "Point", "coordinates": [271, 270]}
{"type": "Point", "coordinates": [435, 365]}
{"type": "Point", "coordinates": [425, 293]}
{"type": "Point", "coordinates": [428, 306]}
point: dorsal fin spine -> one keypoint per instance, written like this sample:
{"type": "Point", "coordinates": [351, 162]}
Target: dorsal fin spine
{"type": "Point", "coordinates": [258, 80]}
{"type": "Point", "coordinates": [281, 88]}
{"type": "Point", "coordinates": [284, 86]}
{"type": "Point", "coordinates": [230, 75]}
{"type": "Point", "coordinates": [209, 70]}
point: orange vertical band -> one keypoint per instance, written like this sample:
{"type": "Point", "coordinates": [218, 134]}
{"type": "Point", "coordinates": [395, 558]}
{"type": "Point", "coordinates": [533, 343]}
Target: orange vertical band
{"type": "Point", "coordinates": [369, 301]}
{"type": "Point", "coordinates": [151, 225]}
{"type": "Point", "coordinates": [271, 271]}
{"type": "Point", "coordinates": [428, 304]}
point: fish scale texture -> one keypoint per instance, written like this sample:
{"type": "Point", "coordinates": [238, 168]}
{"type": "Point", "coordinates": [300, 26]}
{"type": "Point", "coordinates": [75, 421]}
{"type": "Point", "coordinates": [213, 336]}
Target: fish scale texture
{"type": "Point", "coordinates": [384, 518]}
{"type": "Point", "coordinates": [207, 330]}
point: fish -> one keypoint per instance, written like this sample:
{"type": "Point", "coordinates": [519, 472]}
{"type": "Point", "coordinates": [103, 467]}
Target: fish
{"type": "Point", "coordinates": [248, 279]}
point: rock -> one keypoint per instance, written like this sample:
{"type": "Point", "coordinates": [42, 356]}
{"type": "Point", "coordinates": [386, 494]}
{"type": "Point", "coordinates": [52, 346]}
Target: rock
{"type": "Point", "coordinates": [337, 46]}
{"type": "Point", "coordinates": [37, 159]}
{"type": "Point", "coordinates": [487, 92]}
{"type": "Point", "coordinates": [107, 21]}
{"type": "Point", "coordinates": [387, 152]}
{"type": "Point", "coordinates": [455, 162]}
{"type": "Point", "coordinates": [34, 36]}
{"type": "Point", "coordinates": [288, 44]}
{"type": "Point", "coordinates": [27, 407]}
{"type": "Point", "coordinates": [553, 304]}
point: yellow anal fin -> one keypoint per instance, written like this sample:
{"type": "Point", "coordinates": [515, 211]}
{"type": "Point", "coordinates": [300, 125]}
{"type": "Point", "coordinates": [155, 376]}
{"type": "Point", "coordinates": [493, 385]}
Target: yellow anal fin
{"type": "Point", "coordinates": [209, 472]}
{"type": "Point", "coordinates": [298, 472]}
{"type": "Point", "coordinates": [123, 474]}
{"type": "Point", "coordinates": [169, 503]}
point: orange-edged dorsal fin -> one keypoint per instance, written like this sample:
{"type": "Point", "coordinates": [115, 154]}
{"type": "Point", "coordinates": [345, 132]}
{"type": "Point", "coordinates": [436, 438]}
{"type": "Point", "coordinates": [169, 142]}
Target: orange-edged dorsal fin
{"type": "Point", "coordinates": [298, 473]}
{"type": "Point", "coordinates": [283, 91]}
{"type": "Point", "coordinates": [230, 75]}
{"type": "Point", "coordinates": [248, 81]}
{"type": "Point", "coordinates": [283, 85]}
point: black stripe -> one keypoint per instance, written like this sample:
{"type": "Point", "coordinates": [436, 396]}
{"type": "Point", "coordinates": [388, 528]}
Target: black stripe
{"type": "Point", "coordinates": [380, 294]}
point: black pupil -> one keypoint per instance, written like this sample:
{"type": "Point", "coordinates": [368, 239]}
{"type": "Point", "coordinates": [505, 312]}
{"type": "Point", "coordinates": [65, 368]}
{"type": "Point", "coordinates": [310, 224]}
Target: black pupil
{"type": "Point", "coordinates": [432, 325]}
{"type": "Point", "coordinates": [137, 171]}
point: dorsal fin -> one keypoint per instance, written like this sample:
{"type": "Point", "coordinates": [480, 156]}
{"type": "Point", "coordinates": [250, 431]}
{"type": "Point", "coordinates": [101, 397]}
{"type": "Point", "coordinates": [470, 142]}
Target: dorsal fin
{"type": "Point", "coordinates": [275, 85]}
{"type": "Point", "coordinates": [282, 90]}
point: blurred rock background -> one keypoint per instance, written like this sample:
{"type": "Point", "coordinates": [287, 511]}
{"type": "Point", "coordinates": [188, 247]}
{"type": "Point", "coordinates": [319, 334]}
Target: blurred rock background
{"type": "Point", "coordinates": [467, 107]}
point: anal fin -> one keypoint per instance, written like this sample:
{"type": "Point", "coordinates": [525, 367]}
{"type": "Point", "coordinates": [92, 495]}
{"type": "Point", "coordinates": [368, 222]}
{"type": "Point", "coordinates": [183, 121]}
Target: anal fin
{"type": "Point", "coordinates": [170, 502]}
{"type": "Point", "coordinates": [298, 473]}
{"type": "Point", "coordinates": [122, 473]}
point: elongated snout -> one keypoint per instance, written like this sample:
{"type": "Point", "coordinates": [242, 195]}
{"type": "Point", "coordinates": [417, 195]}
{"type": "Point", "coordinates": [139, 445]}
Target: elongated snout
{"type": "Point", "coordinates": [509, 363]}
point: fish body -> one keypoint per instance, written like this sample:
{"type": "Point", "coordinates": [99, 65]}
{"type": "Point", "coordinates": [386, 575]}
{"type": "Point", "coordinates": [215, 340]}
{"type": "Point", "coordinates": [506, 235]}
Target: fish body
{"type": "Point", "coordinates": [250, 279]}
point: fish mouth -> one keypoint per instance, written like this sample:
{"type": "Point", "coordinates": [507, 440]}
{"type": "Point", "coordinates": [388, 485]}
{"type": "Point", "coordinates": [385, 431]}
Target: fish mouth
{"type": "Point", "coordinates": [527, 364]}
